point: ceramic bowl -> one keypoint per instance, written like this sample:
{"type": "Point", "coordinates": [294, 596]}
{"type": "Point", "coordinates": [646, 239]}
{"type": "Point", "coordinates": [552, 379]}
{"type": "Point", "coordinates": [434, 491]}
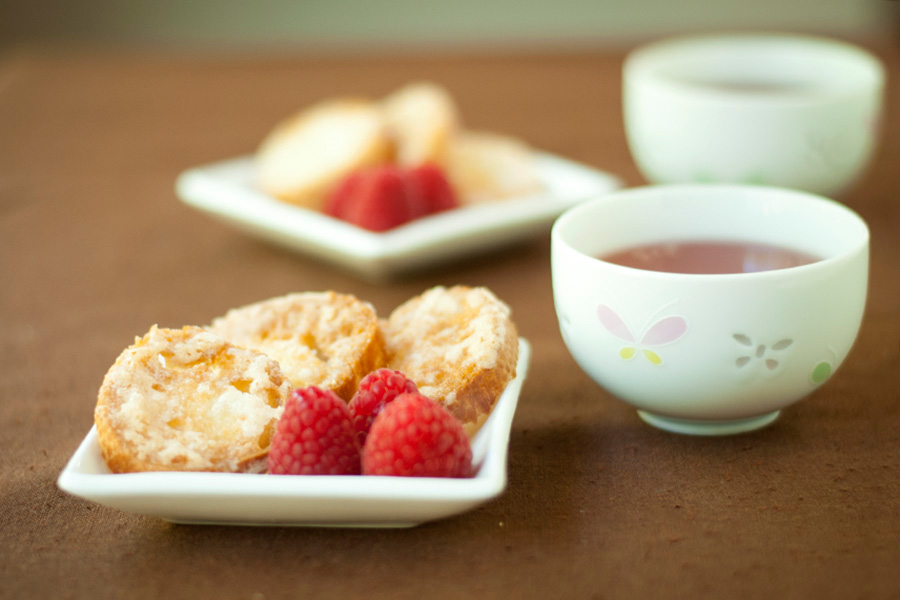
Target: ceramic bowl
{"type": "Point", "coordinates": [709, 354]}
{"type": "Point", "coordinates": [780, 110]}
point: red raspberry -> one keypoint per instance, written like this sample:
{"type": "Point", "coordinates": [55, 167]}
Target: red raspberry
{"type": "Point", "coordinates": [375, 199]}
{"type": "Point", "coordinates": [337, 201]}
{"type": "Point", "coordinates": [375, 390]}
{"type": "Point", "coordinates": [415, 436]}
{"type": "Point", "coordinates": [314, 436]}
{"type": "Point", "coordinates": [430, 191]}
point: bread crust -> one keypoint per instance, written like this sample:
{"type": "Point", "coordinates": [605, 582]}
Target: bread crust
{"type": "Point", "coordinates": [325, 339]}
{"type": "Point", "coordinates": [187, 400]}
{"type": "Point", "coordinates": [459, 345]}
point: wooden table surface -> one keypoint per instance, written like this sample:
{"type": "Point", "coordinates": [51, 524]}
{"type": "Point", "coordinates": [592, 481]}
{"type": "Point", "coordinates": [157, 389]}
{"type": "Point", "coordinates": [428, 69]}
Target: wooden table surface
{"type": "Point", "coordinates": [95, 248]}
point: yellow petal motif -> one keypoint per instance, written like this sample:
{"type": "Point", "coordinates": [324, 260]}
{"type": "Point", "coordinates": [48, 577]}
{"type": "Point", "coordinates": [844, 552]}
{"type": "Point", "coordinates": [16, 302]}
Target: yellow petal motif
{"type": "Point", "coordinates": [627, 352]}
{"type": "Point", "coordinates": [652, 357]}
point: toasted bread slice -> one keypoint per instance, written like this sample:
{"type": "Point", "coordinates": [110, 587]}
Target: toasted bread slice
{"type": "Point", "coordinates": [324, 339]}
{"type": "Point", "coordinates": [187, 400]}
{"type": "Point", "coordinates": [421, 118]}
{"type": "Point", "coordinates": [485, 167]}
{"type": "Point", "coordinates": [459, 345]}
{"type": "Point", "coordinates": [304, 157]}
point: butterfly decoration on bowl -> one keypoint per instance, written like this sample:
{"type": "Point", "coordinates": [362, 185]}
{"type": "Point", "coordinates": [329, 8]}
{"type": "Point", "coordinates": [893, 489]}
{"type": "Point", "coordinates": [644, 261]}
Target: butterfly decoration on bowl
{"type": "Point", "coordinates": [663, 331]}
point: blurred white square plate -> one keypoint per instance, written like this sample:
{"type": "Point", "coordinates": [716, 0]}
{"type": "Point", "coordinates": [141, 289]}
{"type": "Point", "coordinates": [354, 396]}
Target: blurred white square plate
{"type": "Point", "coordinates": [346, 501]}
{"type": "Point", "coordinates": [227, 191]}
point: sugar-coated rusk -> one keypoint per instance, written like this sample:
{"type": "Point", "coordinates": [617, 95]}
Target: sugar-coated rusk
{"type": "Point", "coordinates": [487, 167]}
{"type": "Point", "coordinates": [459, 345]}
{"type": "Point", "coordinates": [325, 339]}
{"type": "Point", "coordinates": [187, 400]}
{"type": "Point", "coordinates": [421, 118]}
{"type": "Point", "coordinates": [304, 157]}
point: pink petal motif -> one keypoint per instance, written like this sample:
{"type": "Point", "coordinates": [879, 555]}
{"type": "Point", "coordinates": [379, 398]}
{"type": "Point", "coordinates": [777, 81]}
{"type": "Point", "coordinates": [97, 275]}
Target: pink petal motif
{"type": "Point", "coordinates": [665, 331]}
{"type": "Point", "coordinates": [613, 323]}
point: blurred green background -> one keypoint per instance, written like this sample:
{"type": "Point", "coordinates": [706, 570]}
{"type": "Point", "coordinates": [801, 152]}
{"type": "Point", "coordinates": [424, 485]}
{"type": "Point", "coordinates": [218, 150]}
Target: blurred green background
{"type": "Point", "coordinates": [454, 25]}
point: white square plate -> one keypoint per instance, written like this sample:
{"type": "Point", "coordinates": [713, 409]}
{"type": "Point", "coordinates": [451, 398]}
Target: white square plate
{"type": "Point", "coordinates": [227, 191]}
{"type": "Point", "coordinates": [336, 500]}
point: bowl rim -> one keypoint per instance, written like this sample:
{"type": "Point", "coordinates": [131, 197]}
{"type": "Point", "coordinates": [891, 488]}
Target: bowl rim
{"type": "Point", "coordinates": [710, 191]}
{"type": "Point", "coordinates": [643, 64]}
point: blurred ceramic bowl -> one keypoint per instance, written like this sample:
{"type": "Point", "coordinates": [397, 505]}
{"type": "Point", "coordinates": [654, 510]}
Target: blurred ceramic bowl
{"type": "Point", "coordinates": [709, 354]}
{"type": "Point", "coordinates": [780, 110]}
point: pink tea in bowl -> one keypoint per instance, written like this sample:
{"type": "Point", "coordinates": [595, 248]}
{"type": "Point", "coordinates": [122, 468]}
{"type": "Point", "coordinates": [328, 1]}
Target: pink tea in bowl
{"type": "Point", "coordinates": [708, 257]}
{"type": "Point", "coordinates": [709, 308]}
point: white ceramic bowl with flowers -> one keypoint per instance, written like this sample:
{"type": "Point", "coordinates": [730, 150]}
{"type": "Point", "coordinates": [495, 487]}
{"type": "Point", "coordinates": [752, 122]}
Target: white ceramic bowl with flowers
{"type": "Point", "coordinates": [710, 353]}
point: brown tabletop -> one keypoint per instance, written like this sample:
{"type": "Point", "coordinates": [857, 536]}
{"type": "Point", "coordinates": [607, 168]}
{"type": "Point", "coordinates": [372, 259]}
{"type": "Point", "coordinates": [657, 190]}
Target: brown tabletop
{"type": "Point", "coordinates": [95, 247]}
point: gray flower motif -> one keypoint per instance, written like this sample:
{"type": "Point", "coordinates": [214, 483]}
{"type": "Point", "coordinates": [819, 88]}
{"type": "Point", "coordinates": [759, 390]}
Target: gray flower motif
{"type": "Point", "coordinates": [760, 352]}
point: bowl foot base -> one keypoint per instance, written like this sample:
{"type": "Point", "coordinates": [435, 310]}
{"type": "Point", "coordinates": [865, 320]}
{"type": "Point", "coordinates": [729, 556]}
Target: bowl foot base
{"type": "Point", "coordinates": [689, 427]}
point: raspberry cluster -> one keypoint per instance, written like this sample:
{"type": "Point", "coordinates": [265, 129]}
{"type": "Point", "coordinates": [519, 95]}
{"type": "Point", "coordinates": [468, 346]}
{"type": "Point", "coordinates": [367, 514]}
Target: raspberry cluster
{"type": "Point", "coordinates": [387, 196]}
{"type": "Point", "coordinates": [388, 428]}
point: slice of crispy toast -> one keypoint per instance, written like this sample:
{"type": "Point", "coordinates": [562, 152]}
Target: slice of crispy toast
{"type": "Point", "coordinates": [304, 157]}
{"type": "Point", "coordinates": [422, 119]}
{"type": "Point", "coordinates": [459, 345]}
{"type": "Point", "coordinates": [486, 167]}
{"type": "Point", "coordinates": [187, 400]}
{"type": "Point", "coordinates": [325, 339]}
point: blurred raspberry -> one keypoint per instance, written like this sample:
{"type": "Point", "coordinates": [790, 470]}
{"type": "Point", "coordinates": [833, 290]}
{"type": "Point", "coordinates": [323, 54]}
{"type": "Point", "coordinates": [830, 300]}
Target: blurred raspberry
{"type": "Point", "coordinates": [337, 201]}
{"type": "Point", "coordinates": [430, 191]}
{"type": "Point", "coordinates": [375, 199]}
